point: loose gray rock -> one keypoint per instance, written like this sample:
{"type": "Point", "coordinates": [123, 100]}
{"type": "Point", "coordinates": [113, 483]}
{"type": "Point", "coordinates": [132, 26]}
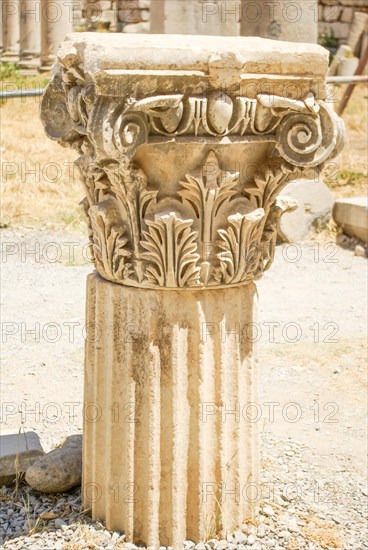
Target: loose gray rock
{"type": "Point", "coordinates": [58, 471]}
{"type": "Point", "coordinates": [17, 452]}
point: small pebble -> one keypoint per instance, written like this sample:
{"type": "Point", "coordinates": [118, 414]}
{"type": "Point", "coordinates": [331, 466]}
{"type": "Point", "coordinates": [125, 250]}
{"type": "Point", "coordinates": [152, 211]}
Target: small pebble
{"type": "Point", "coordinates": [268, 510]}
{"type": "Point", "coordinates": [360, 251]}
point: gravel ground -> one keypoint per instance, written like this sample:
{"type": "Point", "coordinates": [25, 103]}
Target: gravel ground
{"type": "Point", "coordinates": [312, 326]}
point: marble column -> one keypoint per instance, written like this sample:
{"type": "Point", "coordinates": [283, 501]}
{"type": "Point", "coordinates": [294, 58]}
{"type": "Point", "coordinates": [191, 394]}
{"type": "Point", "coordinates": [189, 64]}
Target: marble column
{"type": "Point", "coordinates": [183, 159]}
{"type": "Point", "coordinates": [295, 21]}
{"type": "Point", "coordinates": [1, 30]}
{"type": "Point", "coordinates": [195, 17]}
{"type": "Point", "coordinates": [30, 31]}
{"type": "Point", "coordinates": [56, 23]}
{"type": "Point", "coordinates": [10, 25]}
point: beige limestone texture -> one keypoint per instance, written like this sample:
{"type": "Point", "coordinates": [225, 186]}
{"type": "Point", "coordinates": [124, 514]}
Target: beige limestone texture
{"type": "Point", "coordinates": [352, 216]}
{"type": "Point", "coordinates": [185, 143]}
{"type": "Point", "coordinates": [280, 20]}
{"type": "Point", "coordinates": [184, 149]}
{"type": "Point", "coordinates": [314, 206]}
{"type": "Point", "coordinates": [10, 25]}
{"type": "Point", "coordinates": [56, 23]}
{"type": "Point", "coordinates": [169, 454]}
{"type": "Point", "coordinates": [17, 452]}
{"type": "Point", "coordinates": [241, 55]}
{"type": "Point", "coordinates": [30, 29]}
{"type": "Point", "coordinates": [195, 17]}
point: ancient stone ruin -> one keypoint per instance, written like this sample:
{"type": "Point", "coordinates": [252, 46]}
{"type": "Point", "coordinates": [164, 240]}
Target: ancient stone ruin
{"type": "Point", "coordinates": [185, 144]}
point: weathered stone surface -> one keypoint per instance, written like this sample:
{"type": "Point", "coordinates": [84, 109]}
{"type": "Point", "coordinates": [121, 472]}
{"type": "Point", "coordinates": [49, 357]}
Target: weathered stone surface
{"type": "Point", "coordinates": [347, 15]}
{"type": "Point", "coordinates": [184, 145]}
{"type": "Point", "coordinates": [17, 453]}
{"type": "Point", "coordinates": [141, 27]}
{"type": "Point", "coordinates": [56, 23]}
{"type": "Point", "coordinates": [196, 17]}
{"type": "Point", "coordinates": [340, 30]}
{"type": "Point", "coordinates": [352, 216]}
{"type": "Point", "coordinates": [190, 202]}
{"type": "Point", "coordinates": [179, 411]}
{"type": "Point", "coordinates": [291, 21]}
{"type": "Point", "coordinates": [331, 13]}
{"type": "Point", "coordinates": [348, 66]}
{"type": "Point", "coordinates": [30, 29]}
{"type": "Point", "coordinates": [11, 27]}
{"type": "Point", "coordinates": [355, 3]}
{"type": "Point", "coordinates": [59, 470]}
{"type": "Point", "coordinates": [315, 202]}
{"type": "Point", "coordinates": [356, 32]}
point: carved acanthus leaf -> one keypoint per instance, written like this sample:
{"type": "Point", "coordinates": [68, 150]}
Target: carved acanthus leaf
{"type": "Point", "coordinates": [109, 244]}
{"type": "Point", "coordinates": [269, 183]}
{"type": "Point", "coordinates": [208, 191]}
{"type": "Point", "coordinates": [129, 186]}
{"type": "Point", "coordinates": [240, 254]}
{"type": "Point", "coordinates": [269, 236]}
{"type": "Point", "coordinates": [94, 179]}
{"type": "Point", "coordinates": [171, 252]}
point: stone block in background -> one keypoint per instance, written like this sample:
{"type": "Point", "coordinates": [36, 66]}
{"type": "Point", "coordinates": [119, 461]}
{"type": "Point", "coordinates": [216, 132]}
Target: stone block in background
{"type": "Point", "coordinates": [352, 216]}
{"type": "Point", "coordinates": [355, 3]}
{"type": "Point", "coordinates": [331, 13]}
{"type": "Point", "coordinates": [347, 15]}
{"type": "Point", "coordinates": [17, 452]}
{"type": "Point", "coordinates": [315, 205]}
{"type": "Point", "coordinates": [340, 30]}
{"type": "Point", "coordinates": [144, 15]}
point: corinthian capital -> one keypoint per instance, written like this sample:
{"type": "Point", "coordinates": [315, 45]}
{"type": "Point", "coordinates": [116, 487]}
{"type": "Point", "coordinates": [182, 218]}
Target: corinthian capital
{"type": "Point", "coordinates": [184, 149]}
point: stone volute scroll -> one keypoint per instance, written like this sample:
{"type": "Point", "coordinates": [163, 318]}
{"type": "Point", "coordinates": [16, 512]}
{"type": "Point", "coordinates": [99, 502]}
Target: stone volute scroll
{"type": "Point", "coordinates": [185, 144]}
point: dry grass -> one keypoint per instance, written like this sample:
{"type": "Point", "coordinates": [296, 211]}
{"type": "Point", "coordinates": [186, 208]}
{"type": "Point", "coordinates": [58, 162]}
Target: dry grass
{"type": "Point", "coordinates": [39, 185]}
{"type": "Point", "coordinates": [323, 534]}
{"type": "Point", "coordinates": [40, 188]}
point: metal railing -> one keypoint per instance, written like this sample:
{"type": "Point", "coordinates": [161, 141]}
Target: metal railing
{"type": "Point", "coordinates": [21, 93]}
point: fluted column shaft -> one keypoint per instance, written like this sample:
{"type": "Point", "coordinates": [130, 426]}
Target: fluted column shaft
{"type": "Point", "coordinates": [168, 376]}
{"type": "Point", "coordinates": [195, 17]}
{"type": "Point", "coordinates": [10, 24]}
{"type": "Point", "coordinates": [56, 23]}
{"type": "Point", "coordinates": [1, 29]}
{"type": "Point", "coordinates": [30, 29]}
